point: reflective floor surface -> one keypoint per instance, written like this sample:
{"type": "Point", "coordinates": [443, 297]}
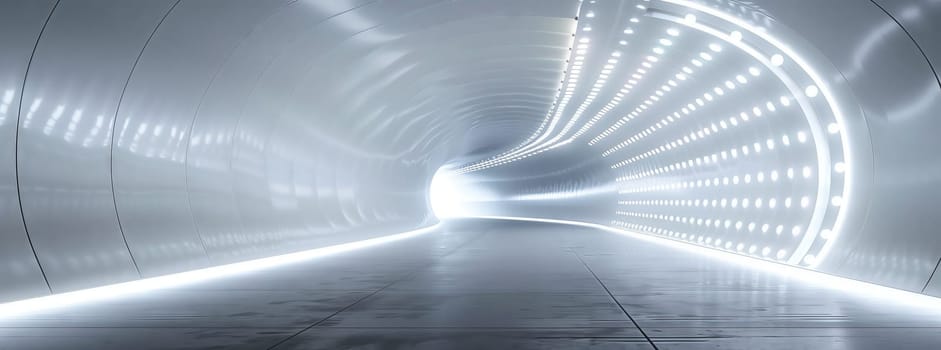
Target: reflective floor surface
{"type": "Point", "coordinates": [486, 284]}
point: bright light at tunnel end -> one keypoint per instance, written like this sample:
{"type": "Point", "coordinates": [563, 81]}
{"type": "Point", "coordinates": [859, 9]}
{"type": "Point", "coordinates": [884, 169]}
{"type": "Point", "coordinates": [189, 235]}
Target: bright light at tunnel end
{"type": "Point", "coordinates": [445, 194]}
{"type": "Point", "coordinates": [127, 289]}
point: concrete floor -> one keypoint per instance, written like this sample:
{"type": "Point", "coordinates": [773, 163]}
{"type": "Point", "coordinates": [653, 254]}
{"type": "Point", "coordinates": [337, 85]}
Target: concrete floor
{"type": "Point", "coordinates": [479, 284]}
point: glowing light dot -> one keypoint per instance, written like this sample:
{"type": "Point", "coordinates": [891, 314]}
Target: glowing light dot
{"type": "Point", "coordinates": [777, 60]}
{"type": "Point", "coordinates": [736, 35]}
{"type": "Point", "coordinates": [812, 91]}
{"type": "Point", "coordinates": [810, 259]}
{"type": "Point", "coordinates": [833, 128]}
{"type": "Point", "coordinates": [839, 167]}
{"type": "Point", "coordinates": [690, 18]}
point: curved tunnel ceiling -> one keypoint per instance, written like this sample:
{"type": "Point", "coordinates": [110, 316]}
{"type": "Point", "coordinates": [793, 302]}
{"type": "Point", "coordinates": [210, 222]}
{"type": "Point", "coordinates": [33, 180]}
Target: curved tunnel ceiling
{"type": "Point", "coordinates": [146, 138]}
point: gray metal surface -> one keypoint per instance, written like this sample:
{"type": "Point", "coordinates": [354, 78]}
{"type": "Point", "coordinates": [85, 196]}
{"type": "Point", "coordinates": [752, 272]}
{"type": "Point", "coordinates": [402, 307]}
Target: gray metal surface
{"type": "Point", "coordinates": [492, 285]}
{"type": "Point", "coordinates": [916, 17]}
{"type": "Point", "coordinates": [168, 136]}
{"type": "Point", "coordinates": [20, 25]}
{"type": "Point", "coordinates": [63, 148]}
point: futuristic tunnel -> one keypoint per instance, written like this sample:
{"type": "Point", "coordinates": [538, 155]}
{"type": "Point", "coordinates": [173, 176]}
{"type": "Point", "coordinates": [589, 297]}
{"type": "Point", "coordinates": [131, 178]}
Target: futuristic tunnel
{"type": "Point", "coordinates": [474, 174]}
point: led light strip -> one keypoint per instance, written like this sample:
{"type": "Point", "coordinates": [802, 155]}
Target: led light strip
{"type": "Point", "coordinates": [739, 248]}
{"type": "Point", "coordinates": [543, 143]}
{"type": "Point", "coordinates": [708, 159]}
{"type": "Point", "coordinates": [701, 223]}
{"type": "Point", "coordinates": [662, 91]}
{"type": "Point", "coordinates": [23, 307]}
{"type": "Point", "coordinates": [733, 122]}
{"type": "Point", "coordinates": [682, 76]}
{"type": "Point", "coordinates": [576, 61]}
{"type": "Point", "coordinates": [637, 78]}
{"type": "Point", "coordinates": [819, 87]}
{"type": "Point", "coordinates": [572, 71]}
{"type": "Point", "coordinates": [670, 119]}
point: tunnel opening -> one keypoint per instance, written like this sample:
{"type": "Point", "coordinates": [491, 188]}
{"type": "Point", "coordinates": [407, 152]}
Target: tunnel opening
{"type": "Point", "coordinates": [445, 194]}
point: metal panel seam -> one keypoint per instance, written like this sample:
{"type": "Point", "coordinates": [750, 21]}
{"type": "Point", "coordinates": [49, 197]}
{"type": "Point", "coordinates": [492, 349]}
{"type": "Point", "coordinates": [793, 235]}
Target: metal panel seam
{"type": "Point", "coordinates": [938, 79]}
{"type": "Point", "coordinates": [16, 163]}
{"type": "Point", "coordinates": [114, 198]}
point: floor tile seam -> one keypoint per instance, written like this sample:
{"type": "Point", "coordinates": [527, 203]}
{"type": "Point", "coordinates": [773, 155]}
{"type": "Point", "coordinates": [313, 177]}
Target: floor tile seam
{"type": "Point", "coordinates": [463, 327]}
{"type": "Point", "coordinates": [616, 301]}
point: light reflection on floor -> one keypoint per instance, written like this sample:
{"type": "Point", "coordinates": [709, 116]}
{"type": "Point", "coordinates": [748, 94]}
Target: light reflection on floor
{"type": "Point", "coordinates": [485, 284]}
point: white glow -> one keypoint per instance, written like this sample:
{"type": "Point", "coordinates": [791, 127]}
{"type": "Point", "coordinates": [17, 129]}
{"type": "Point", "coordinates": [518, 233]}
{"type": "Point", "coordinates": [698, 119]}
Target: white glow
{"type": "Point", "coordinates": [811, 91]}
{"type": "Point", "coordinates": [839, 167]}
{"type": "Point", "coordinates": [445, 195]}
{"type": "Point", "coordinates": [28, 306]}
{"type": "Point", "coordinates": [823, 158]}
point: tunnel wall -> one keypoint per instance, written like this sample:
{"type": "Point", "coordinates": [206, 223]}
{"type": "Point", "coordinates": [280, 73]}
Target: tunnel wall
{"type": "Point", "coordinates": [141, 138]}
{"type": "Point", "coordinates": [878, 59]}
